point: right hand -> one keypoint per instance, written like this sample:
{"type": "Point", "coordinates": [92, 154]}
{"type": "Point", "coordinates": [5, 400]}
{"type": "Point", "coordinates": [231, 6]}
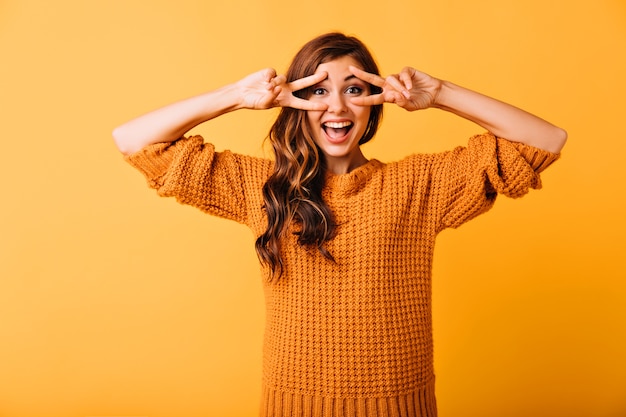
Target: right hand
{"type": "Point", "coordinates": [264, 90]}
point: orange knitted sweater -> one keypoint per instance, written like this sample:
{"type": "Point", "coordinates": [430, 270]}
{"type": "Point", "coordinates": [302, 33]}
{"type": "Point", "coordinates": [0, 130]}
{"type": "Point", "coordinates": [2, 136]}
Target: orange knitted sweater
{"type": "Point", "coordinates": [352, 337]}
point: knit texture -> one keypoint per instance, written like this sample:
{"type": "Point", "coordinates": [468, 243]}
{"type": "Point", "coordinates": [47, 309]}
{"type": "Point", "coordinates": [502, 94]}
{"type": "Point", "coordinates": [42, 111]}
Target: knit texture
{"type": "Point", "coordinates": [352, 337]}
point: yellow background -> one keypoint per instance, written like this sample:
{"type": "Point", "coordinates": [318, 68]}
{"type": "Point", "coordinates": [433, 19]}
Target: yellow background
{"type": "Point", "coordinates": [114, 302]}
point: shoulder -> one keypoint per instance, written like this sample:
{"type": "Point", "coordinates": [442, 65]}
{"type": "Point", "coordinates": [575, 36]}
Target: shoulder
{"type": "Point", "coordinates": [411, 164]}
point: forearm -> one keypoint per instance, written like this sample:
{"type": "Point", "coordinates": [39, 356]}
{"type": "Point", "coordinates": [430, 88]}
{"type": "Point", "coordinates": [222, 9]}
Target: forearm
{"type": "Point", "coordinates": [501, 119]}
{"type": "Point", "coordinates": [171, 122]}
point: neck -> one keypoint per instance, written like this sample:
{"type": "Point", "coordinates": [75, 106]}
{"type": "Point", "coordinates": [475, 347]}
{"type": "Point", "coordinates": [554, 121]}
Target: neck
{"type": "Point", "coordinates": [344, 165]}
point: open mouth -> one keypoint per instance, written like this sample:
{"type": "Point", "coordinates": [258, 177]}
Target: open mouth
{"type": "Point", "coordinates": [337, 130]}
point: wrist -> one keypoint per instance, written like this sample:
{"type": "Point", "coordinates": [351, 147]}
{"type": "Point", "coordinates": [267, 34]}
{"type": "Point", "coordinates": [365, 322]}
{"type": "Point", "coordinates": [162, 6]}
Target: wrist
{"type": "Point", "coordinates": [442, 96]}
{"type": "Point", "coordinates": [232, 97]}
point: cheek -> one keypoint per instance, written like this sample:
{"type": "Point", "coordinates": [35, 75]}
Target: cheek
{"type": "Point", "coordinates": [313, 117]}
{"type": "Point", "coordinates": [313, 124]}
{"type": "Point", "coordinates": [363, 114]}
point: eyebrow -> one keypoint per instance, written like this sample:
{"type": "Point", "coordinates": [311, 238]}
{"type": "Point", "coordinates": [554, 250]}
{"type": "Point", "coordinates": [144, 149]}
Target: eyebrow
{"type": "Point", "coordinates": [348, 78]}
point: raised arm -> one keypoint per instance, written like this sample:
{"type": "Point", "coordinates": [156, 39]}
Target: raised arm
{"type": "Point", "coordinates": [501, 119]}
{"type": "Point", "coordinates": [260, 90]}
{"type": "Point", "coordinates": [414, 90]}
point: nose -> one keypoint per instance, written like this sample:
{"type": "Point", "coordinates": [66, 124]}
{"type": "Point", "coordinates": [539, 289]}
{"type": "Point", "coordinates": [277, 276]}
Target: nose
{"type": "Point", "coordinates": [337, 103]}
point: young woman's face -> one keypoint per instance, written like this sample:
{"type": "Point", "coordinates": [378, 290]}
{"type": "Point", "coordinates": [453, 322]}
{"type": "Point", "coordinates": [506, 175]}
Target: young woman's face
{"type": "Point", "coordinates": [338, 129]}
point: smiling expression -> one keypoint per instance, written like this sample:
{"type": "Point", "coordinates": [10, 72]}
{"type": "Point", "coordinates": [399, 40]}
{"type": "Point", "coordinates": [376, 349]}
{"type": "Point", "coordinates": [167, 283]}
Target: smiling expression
{"type": "Point", "coordinates": [338, 129]}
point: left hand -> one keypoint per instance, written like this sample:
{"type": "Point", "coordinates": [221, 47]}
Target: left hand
{"type": "Point", "coordinates": [410, 89]}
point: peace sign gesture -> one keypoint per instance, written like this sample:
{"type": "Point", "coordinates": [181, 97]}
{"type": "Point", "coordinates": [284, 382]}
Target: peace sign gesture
{"type": "Point", "coordinates": [410, 89]}
{"type": "Point", "coordinates": [264, 89]}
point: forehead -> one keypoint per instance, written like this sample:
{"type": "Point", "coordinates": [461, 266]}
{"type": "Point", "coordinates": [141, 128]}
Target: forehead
{"type": "Point", "coordinates": [338, 67]}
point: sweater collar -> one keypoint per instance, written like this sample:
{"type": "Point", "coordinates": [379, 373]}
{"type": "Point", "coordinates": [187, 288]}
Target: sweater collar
{"type": "Point", "coordinates": [353, 180]}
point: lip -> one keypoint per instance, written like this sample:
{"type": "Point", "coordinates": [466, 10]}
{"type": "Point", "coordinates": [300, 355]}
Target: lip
{"type": "Point", "coordinates": [337, 120]}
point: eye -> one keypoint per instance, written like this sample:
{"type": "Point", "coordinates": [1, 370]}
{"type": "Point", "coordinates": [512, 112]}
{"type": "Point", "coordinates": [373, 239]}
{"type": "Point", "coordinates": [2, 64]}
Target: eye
{"type": "Point", "coordinates": [354, 90]}
{"type": "Point", "coordinates": [318, 91]}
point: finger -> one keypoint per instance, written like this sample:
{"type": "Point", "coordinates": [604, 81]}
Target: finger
{"type": "Point", "coordinates": [269, 100]}
{"type": "Point", "coordinates": [268, 74]}
{"type": "Point", "coordinates": [301, 104]}
{"type": "Point", "coordinates": [308, 81]}
{"type": "Point", "coordinates": [395, 83]}
{"type": "Point", "coordinates": [372, 100]}
{"type": "Point", "coordinates": [406, 76]}
{"type": "Point", "coordinates": [278, 80]}
{"type": "Point", "coordinates": [373, 79]}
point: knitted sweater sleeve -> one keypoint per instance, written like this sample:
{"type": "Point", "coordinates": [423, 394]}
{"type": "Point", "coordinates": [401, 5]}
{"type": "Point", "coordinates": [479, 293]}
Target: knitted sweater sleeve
{"type": "Point", "coordinates": [190, 170]}
{"type": "Point", "coordinates": [467, 179]}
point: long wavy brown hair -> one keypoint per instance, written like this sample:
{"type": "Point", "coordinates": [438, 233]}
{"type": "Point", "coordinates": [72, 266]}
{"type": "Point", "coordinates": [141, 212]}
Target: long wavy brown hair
{"type": "Point", "coordinates": [293, 193]}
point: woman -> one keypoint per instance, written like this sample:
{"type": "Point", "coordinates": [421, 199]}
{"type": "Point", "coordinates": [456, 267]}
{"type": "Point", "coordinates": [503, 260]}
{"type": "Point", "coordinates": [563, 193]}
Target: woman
{"type": "Point", "coordinates": [345, 243]}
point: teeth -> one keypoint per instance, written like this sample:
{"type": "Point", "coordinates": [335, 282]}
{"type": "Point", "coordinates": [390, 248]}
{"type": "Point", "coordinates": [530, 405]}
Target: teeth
{"type": "Point", "coordinates": [337, 125]}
